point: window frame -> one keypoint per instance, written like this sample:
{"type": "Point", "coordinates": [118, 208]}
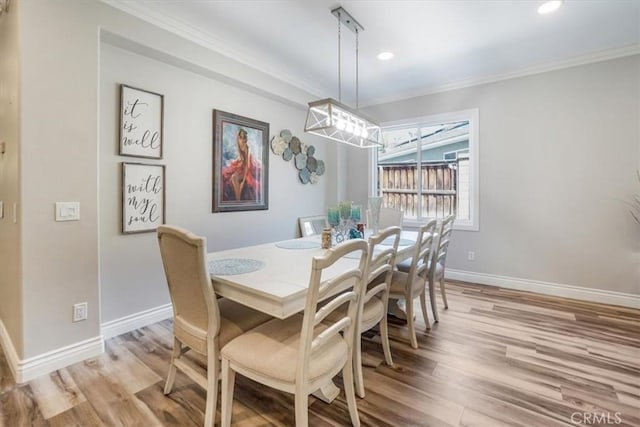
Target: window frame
{"type": "Point", "coordinates": [470, 115]}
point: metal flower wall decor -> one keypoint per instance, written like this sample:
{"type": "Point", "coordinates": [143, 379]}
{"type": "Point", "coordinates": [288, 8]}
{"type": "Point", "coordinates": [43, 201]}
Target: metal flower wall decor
{"type": "Point", "coordinates": [310, 169]}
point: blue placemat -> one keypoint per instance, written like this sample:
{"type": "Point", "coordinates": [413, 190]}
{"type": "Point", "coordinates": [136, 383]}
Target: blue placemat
{"type": "Point", "coordinates": [231, 266]}
{"type": "Point", "coordinates": [298, 244]}
{"type": "Point", "coordinates": [403, 242]}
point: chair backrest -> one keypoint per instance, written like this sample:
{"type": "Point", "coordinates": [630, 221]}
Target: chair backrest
{"type": "Point", "coordinates": [382, 258]}
{"type": "Point", "coordinates": [389, 217]}
{"type": "Point", "coordinates": [422, 253]}
{"type": "Point", "coordinates": [312, 225]}
{"type": "Point", "coordinates": [346, 288]}
{"type": "Point", "coordinates": [184, 256]}
{"type": "Point", "coordinates": [442, 242]}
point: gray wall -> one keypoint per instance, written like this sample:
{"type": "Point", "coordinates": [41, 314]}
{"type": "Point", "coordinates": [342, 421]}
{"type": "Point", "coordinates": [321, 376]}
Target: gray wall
{"type": "Point", "coordinates": [10, 272]}
{"type": "Point", "coordinates": [61, 151]}
{"type": "Point", "coordinates": [541, 217]}
{"type": "Point", "coordinates": [131, 276]}
{"type": "Point", "coordinates": [558, 155]}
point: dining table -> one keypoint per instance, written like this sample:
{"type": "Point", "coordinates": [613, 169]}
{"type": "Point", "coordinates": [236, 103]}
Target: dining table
{"type": "Point", "coordinates": [274, 277]}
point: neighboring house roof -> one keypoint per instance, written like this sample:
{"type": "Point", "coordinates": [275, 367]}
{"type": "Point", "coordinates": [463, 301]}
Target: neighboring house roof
{"type": "Point", "coordinates": [437, 136]}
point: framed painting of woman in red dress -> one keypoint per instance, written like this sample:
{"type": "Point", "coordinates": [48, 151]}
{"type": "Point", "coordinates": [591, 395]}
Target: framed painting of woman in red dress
{"type": "Point", "coordinates": [240, 163]}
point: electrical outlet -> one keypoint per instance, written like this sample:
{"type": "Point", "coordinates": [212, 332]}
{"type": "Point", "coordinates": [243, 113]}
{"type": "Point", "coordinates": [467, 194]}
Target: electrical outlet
{"type": "Point", "coordinates": [80, 311]}
{"type": "Point", "coordinates": [471, 256]}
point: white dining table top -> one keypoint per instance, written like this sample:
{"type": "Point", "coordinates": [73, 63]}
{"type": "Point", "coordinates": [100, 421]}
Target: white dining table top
{"type": "Point", "coordinates": [279, 287]}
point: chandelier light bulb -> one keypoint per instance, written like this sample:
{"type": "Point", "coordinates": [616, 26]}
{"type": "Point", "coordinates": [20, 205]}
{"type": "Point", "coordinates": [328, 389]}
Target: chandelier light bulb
{"type": "Point", "coordinates": [349, 127]}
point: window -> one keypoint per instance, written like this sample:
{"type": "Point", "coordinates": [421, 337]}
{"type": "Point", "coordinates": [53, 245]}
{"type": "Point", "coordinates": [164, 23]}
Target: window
{"type": "Point", "coordinates": [428, 167]}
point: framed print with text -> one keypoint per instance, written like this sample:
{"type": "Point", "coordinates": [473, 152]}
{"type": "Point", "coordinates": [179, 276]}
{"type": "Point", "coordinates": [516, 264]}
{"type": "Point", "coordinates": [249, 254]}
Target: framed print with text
{"type": "Point", "coordinates": [143, 194]}
{"type": "Point", "coordinates": [141, 121]}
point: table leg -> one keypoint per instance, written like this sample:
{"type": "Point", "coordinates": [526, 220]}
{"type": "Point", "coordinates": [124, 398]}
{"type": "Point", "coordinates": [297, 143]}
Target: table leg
{"type": "Point", "coordinates": [327, 393]}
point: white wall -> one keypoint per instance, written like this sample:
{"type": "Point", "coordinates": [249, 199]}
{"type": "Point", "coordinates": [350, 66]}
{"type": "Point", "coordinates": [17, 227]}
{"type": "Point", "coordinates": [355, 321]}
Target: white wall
{"type": "Point", "coordinates": [558, 155]}
{"type": "Point", "coordinates": [10, 275]}
{"type": "Point", "coordinates": [131, 273]}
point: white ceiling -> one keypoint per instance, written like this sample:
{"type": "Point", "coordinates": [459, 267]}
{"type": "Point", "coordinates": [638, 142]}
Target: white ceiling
{"type": "Point", "coordinates": [437, 44]}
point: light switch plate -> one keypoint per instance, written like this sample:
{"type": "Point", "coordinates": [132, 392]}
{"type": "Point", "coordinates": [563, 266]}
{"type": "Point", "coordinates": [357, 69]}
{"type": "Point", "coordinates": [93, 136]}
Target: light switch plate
{"type": "Point", "coordinates": [67, 211]}
{"type": "Point", "coordinates": [1, 209]}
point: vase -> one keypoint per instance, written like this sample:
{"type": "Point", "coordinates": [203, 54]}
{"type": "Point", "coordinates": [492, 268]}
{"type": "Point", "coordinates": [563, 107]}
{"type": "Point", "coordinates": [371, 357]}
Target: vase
{"type": "Point", "coordinates": [375, 203]}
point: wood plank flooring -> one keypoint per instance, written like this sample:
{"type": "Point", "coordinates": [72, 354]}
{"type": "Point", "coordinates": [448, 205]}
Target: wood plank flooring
{"type": "Point", "coordinates": [496, 358]}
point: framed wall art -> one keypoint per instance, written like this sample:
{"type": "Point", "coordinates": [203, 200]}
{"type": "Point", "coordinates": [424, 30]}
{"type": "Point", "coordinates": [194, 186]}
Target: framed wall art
{"type": "Point", "coordinates": [141, 121]}
{"type": "Point", "coordinates": [143, 204]}
{"type": "Point", "coordinates": [240, 163]}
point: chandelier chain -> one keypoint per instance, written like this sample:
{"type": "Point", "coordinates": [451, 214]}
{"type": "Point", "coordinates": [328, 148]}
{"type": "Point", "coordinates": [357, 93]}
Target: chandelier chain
{"type": "Point", "coordinates": [339, 59]}
{"type": "Point", "coordinates": [357, 55]}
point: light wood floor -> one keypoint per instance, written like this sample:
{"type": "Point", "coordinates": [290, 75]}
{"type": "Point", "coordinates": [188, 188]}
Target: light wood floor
{"type": "Point", "coordinates": [497, 358]}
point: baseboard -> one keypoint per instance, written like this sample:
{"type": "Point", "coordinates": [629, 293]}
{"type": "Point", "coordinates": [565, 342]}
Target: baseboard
{"type": "Point", "coordinates": [547, 288]}
{"type": "Point", "coordinates": [132, 322]}
{"type": "Point", "coordinates": [50, 361]}
{"type": "Point", "coordinates": [9, 350]}
{"type": "Point", "coordinates": [33, 367]}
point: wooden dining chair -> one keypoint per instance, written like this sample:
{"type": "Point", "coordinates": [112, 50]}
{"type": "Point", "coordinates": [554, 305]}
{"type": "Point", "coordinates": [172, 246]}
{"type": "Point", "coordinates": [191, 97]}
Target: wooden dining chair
{"type": "Point", "coordinates": [301, 354]}
{"type": "Point", "coordinates": [374, 301]}
{"type": "Point", "coordinates": [439, 257]}
{"type": "Point", "coordinates": [436, 265]}
{"type": "Point", "coordinates": [201, 322]}
{"type": "Point", "coordinates": [410, 284]}
{"type": "Point", "coordinates": [390, 217]}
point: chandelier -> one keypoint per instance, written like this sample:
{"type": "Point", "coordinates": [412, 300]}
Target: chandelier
{"type": "Point", "coordinates": [334, 120]}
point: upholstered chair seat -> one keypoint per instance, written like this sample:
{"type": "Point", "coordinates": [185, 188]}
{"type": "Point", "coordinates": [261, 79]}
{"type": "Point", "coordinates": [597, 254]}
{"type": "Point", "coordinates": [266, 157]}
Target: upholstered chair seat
{"type": "Point", "coordinates": [278, 342]}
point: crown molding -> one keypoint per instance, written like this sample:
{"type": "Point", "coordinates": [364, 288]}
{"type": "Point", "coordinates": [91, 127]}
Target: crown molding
{"type": "Point", "coordinates": [215, 44]}
{"type": "Point", "coordinates": [602, 55]}
{"type": "Point", "coordinates": [207, 40]}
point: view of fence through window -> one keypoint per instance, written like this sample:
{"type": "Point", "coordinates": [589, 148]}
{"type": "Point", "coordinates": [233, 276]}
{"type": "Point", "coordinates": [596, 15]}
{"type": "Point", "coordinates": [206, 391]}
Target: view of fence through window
{"type": "Point", "coordinates": [424, 170]}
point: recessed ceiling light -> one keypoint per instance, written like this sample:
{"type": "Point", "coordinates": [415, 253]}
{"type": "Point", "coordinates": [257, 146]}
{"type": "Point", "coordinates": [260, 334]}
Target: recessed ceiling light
{"type": "Point", "coordinates": [385, 56]}
{"type": "Point", "coordinates": [549, 6]}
